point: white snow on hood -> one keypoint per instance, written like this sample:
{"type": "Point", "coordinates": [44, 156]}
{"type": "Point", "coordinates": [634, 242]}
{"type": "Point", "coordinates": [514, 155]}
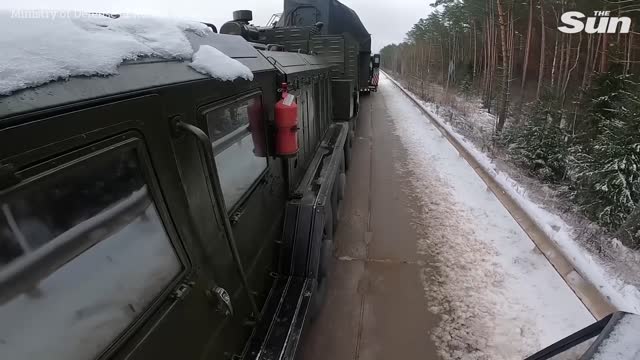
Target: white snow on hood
{"type": "Point", "coordinates": [39, 50]}
{"type": "Point", "coordinates": [211, 61]}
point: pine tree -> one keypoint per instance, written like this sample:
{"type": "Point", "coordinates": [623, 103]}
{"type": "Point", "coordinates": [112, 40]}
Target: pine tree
{"type": "Point", "coordinates": [607, 168]}
{"type": "Point", "coordinates": [539, 144]}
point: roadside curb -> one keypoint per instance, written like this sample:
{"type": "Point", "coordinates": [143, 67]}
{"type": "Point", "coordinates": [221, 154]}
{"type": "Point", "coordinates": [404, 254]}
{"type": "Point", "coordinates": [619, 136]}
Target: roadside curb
{"type": "Point", "coordinates": [597, 304]}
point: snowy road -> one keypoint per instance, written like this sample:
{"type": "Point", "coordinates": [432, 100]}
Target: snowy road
{"type": "Point", "coordinates": [429, 263]}
{"type": "Point", "coordinates": [499, 295]}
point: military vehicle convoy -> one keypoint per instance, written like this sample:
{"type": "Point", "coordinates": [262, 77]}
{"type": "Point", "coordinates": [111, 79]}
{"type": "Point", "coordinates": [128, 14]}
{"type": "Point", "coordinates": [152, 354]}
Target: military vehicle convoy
{"type": "Point", "coordinates": [164, 214]}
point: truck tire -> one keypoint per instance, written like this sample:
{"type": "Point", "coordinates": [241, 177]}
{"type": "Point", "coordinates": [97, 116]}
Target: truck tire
{"type": "Point", "coordinates": [329, 228]}
{"type": "Point", "coordinates": [325, 258]}
{"type": "Point", "coordinates": [342, 185]}
{"type": "Point", "coordinates": [356, 105]}
{"type": "Point", "coordinates": [318, 299]}
{"type": "Point", "coordinates": [320, 293]}
{"type": "Point", "coordinates": [335, 205]}
{"type": "Point", "coordinates": [347, 152]}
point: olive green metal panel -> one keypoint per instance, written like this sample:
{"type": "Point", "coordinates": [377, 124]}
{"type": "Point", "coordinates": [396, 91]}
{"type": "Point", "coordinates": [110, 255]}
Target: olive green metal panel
{"type": "Point", "coordinates": [342, 99]}
{"type": "Point", "coordinates": [144, 102]}
{"type": "Point", "coordinates": [280, 35]}
{"type": "Point", "coordinates": [189, 324]}
{"type": "Point", "coordinates": [332, 49]}
{"type": "Point", "coordinates": [182, 322]}
{"type": "Point", "coordinates": [364, 61]}
{"type": "Point", "coordinates": [351, 58]}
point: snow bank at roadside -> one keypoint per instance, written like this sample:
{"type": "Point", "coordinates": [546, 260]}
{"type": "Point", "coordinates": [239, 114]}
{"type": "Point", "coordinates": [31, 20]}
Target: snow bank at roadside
{"type": "Point", "coordinates": [622, 295]}
{"type": "Point", "coordinates": [496, 295]}
{"type": "Point", "coordinates": [39, 50]}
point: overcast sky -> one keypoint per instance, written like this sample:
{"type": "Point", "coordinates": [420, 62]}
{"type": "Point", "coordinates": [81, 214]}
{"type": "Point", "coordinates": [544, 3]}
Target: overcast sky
{"type": "Point", "coordinates": [387, 20]}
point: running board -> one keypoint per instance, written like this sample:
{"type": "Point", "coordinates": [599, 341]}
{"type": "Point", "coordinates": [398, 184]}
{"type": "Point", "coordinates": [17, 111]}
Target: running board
{"type": "Point", "coordinates": [285, 314]}
{"type": "Point", "coordinates": [286, 311]}
{"type": "Point", "coordinates": [306, 216]}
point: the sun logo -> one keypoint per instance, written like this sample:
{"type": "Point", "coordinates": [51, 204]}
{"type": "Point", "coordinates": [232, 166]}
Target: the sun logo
{"type": "Point", "coordinates": [601, 23]}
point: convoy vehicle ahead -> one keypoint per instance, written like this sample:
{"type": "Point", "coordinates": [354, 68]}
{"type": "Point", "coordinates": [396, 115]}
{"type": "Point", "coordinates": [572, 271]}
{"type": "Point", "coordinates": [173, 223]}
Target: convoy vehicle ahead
{"type": "Point", "coordinates": [163, 213]}
{"type": "Point", "coordinates": [374, 73]}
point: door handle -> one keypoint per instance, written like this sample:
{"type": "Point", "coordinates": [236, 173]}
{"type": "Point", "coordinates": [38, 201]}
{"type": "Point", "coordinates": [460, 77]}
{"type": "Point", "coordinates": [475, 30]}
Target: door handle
{"type": "Point", "coordinates": [222, 299]}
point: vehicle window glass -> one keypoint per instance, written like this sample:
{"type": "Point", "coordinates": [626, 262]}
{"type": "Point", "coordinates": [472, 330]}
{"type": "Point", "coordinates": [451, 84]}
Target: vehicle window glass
{"type": "Point", "coordinates": [237, 136]}
{"type": "Point", "coordinates": [575, 352]}
{"type": "Point", "coordinates": [82, 306]}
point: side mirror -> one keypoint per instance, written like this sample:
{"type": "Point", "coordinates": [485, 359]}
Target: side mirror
{"type": "Point", "coordinates": [614, 337]}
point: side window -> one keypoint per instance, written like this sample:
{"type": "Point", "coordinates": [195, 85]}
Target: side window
{"type": "Point", "coordinates": [88, 239]}
{"type": "Point", "coordinates": [238, 140]}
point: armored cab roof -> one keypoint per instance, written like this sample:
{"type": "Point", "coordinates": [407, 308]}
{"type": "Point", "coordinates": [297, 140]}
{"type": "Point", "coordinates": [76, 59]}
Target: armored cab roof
{"type": "Point", "coordinates": [132, 75]}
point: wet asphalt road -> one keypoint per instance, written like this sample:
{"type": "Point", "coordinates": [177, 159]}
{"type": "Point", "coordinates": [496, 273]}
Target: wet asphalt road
{"type": "Point", "coordinates": [376, 306]}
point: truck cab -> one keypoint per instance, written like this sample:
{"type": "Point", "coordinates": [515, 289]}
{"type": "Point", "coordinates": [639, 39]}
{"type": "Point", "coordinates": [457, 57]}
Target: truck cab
{"type": "Point", "coordinates": [147, 214]}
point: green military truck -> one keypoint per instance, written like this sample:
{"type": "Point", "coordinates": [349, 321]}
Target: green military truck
{"type": "Point", "coordinates": [148, 214]}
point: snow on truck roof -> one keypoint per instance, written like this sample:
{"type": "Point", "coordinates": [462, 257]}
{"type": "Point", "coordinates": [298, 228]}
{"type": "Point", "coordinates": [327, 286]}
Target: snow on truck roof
{"type": "Point", "coordinates": [36, 51]}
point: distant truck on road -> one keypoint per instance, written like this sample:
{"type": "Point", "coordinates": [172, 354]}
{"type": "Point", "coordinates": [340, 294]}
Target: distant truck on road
{"type": "Point", "coordinates": [374, 73]}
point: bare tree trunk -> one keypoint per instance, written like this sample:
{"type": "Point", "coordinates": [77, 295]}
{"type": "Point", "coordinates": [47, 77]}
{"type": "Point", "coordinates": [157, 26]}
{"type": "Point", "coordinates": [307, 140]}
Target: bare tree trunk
{"type": "Point", "coordinates": [553, 66]}
{"type": "Point", "coordinates": [575, 64]}
{"type": "Point", "coordinates": [604, 61]}
{"type": "Point", "coordinates": [512, 45]}
{"type": "Point", "coordinates": [485, 61]}
{"type": "Point", "coordinates": [566, 63]}
{"type": "Point", "coordinates": [527, 49]}
{"type": "Point", "coordinates": [475, 50]}
{"type": "Point", "coordinates": [542, 51]}
{"type": "Point", "coordinates": [494, 56]}
{"type": "Point", "coordinates": [555, 51]}
{"type": "Point", "coordinates": [502, 112]}
{"type": "Point", "coordinates": [488, 57]}
{"type": "Point", "coordinates": [587, 65]}
{"type": "Point", "coordinates": [512, 35]}
{"type": "Point", "coordinates": [429, 61]}
{"type": "Point", "coordinates": [563, 51]}
{"type": "Point", "coordinates": [627, 64]}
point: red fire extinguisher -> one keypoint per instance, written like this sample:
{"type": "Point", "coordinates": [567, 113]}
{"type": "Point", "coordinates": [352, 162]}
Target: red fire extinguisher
{"type": "Point", "coordinates": [287, 124]}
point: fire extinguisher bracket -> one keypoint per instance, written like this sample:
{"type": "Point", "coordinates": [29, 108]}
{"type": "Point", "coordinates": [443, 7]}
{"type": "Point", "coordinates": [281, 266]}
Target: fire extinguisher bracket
{"type": "Point", "coordinates": [289, 156]}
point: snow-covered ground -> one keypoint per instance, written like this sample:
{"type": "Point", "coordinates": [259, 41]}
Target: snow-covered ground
{"type": "Point", "coordinates": [497, 295]}
{"type": "Point", "coordinates": [611, 267]}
